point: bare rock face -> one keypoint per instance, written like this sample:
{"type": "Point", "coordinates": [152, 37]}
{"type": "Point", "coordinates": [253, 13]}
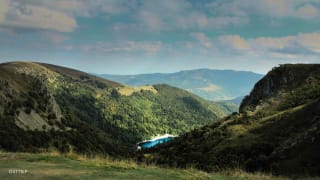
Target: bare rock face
{"type": "Point", "coordinates": [56, 109]}
{"type": "Point", "coordinates": [33, 121]}
{"type": "Point", "coordinates": [278, 83]}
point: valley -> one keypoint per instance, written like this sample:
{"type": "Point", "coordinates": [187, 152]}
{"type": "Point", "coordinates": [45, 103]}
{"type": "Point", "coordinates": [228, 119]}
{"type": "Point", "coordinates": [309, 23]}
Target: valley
{"type": "Point", "coordinates": [46, 106]}
{"type": "Point", "coordinates": [160, 89]}
{"type": "Point", "coordinates": [72, 124]}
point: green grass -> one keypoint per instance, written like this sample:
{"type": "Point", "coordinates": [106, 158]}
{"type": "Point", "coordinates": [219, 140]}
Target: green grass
{"type": "Point", "coordinates": [72, 166]}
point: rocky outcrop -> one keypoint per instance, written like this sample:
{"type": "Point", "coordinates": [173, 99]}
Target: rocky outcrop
{"type": "Point", "coordinates": [278, 83]}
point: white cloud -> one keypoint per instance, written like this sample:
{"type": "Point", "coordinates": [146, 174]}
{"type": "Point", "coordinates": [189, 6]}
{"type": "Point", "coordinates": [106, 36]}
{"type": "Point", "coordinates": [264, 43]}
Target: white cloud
{"type": "Point", "coordinates": [151, 20]}
{"type": "Point", "coordinates": [110, 7]}
{"type": "Point", "coordinates": [57, 15]}
{"type": "Point", "coordinates": [60, 15]}
{"type": "Point", "coordinates": [83, 7]}
{"type": "Point", "coordinates": [37, 17]}
{"type": "Point", "coordinates": [270, 43]}
{"type": "Point", "coordinates": [69, 5]}
{"type": "Point", "coordinates": [290, 47]}
{"type": "Point", "coordinates": [295, 48]}
{"type": "Point", "coordinates": [168, 15]}
{"type": "Point", "coordinates": [304, 9]}
{"type": "Point", "coordinates": [278, 8]}
{"type": "Point", "coordinates": [68, 47]}
{"type": "Point", "coordinates": [234, 42]}
{"type": "Point", "coordinates": [54, 37]}
{"type": "Point", "coordinates": [124, 47]}
{"type": "Point", "coordinates": [202, 38]}
{"type": "Point", "coordinates": [4, 5]}
{"type": "Point", "coordinates": [310, 41]}
{"type": "Point", "coordinates": [301, 43]}
{"type": "Point", "coordinates": [308, 11]}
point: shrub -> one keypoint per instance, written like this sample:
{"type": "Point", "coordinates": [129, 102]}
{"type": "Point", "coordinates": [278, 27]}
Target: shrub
{"type": "Point", "coordinates": [27, 110]}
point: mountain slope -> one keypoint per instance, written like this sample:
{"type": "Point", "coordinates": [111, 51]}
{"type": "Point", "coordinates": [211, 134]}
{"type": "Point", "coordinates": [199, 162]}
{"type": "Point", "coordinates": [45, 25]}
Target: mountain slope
{"type": "Point", "coordinates": [209, 84]}
{"type": "Point", "coordinates": [45, 106]}
{"type": "Point", "coordinates": [276, 131]}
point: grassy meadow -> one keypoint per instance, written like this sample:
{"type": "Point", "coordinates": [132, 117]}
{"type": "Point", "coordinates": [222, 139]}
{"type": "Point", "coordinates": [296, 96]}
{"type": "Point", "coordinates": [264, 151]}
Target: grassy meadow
{"type": "Point", "coordinates": [74, 166]}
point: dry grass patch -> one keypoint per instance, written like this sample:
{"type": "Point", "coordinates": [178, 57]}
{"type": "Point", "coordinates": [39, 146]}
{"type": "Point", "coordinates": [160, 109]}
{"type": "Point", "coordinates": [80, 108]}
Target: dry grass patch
{"type": "Point", "coordinates": [128, 91]}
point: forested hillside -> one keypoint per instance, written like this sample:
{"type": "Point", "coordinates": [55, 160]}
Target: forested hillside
{"type": "Point", "coordinates": [44, 106]}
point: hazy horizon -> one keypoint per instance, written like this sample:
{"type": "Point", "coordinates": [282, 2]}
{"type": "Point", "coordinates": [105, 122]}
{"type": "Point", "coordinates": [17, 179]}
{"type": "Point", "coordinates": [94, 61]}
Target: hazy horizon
{"type": "Point", "coordinates": [141, 37]}
{"type": "Point", "coordinates": [179, 71]}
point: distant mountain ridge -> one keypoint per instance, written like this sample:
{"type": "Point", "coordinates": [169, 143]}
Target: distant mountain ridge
{"type": "Point", "coordinates": [215, 85]}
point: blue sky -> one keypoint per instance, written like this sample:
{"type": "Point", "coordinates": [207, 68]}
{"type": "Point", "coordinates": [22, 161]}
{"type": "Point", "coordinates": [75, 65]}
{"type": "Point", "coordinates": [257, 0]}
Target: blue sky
{"type": "Point", "coordinates": [145, 36]}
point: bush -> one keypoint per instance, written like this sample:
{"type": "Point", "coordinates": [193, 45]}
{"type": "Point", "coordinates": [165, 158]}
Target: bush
{"type": "Point", "coordinates": [27, 110]}
{"type": "Point", "coordinates": [52, 116]}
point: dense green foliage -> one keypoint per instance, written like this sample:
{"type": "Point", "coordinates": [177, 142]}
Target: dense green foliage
{"type": "Point", "coordinates": [83, 139]}
{"type": "Point", "coordinates": [139, 116]}
{"type": "Point", "coordinates": [45, 106]}
{"type": "Point", "coordinates": [280, 136]}
{"type": "Point", "coordinates": [209, 84]}
{"type": "Point", "coordinates": [135, 117]}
